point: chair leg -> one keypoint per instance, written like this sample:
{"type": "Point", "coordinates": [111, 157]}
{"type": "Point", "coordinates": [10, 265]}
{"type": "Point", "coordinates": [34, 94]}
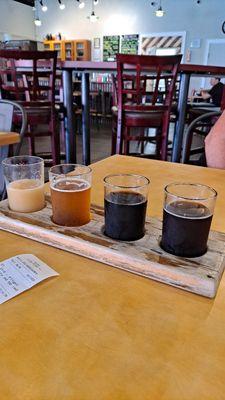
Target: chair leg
{"type": "Point", "coordinates": [55, 141]}
{"type": "Point", "coordinates": [158, 144]}
{"type": "Point", "coordinates": [113, 142]}
{"type": "Point", "coordinates": [62, 135]}
{"type": "Point", "coordinates": [142, 134]}
{"type": "Point", "coordinates": [31, 142]}
{"type": "Point", "coordinates": [119, 134]}
{"type": "Point", "coordinates": [126, 141]}
{"type": "Point", "coordinates": [164, 148]}
{"type": "Point", "coordinates": [164, 143]}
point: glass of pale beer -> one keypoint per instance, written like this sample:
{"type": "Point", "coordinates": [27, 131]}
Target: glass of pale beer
{"type": "Point", "coordinates": [24, 178]}
{"type": "Point", "coordinates": [70, 186]}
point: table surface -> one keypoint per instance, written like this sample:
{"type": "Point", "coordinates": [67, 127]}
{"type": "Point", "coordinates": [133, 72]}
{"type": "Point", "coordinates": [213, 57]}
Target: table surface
{"type": "Point", "coordinates": [96, 332]}
{"type": "Point", "coordinates": [193, 69]}
{"type": "Point", "coordinates": [7, 138]}
{"type": "Point", "coordinates": [98, 66]}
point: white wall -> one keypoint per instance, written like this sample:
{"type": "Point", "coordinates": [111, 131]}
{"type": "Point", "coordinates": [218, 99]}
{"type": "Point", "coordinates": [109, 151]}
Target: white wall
{"type": "Point", "coordinates": [136, 16]}
{"type": "Point", "coordinates": [16, 20]}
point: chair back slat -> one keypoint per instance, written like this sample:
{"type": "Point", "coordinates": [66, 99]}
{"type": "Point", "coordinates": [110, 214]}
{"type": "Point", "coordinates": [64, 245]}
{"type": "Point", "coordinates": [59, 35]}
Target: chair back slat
{"type": "Point", "coordinates": [145, 75]}
{"type": "Point", "coordinates": [28, 76]}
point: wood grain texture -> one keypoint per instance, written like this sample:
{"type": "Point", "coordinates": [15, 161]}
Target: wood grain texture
{"type": "Point", "coordinates": [144, 257]}
{"type": "Point", "coordinates": [7, 138]}
{"type": "Point", "coordinates": [97, 332]}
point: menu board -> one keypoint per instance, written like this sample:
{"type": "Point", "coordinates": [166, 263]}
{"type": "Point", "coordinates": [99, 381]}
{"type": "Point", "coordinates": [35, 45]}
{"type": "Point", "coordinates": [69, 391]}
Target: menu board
{"type": "Point", "coordinates": [129, 44]}
{"type": "Point", "coordinates": [111, 46]}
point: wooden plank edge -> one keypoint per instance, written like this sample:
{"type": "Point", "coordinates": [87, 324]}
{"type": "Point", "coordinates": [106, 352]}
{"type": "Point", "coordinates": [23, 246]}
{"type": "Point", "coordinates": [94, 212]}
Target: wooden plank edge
{"type": "Point", "coordinates": [149, 269]}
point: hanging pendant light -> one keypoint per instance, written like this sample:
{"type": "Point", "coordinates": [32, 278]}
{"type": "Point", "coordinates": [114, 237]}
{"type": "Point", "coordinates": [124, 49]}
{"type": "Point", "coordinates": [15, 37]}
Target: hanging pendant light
{"type": "Point", "coordinates": [37, 20]}
{"type": "Point", "coordinates": [93, 17]}
{"type": "Point", "coordinates": [81, 4]}
{"type": "Point", "coordinates": [43, 6]}
{"type": "Point", "coordinates": [160, 12]}
{"type": "Point", "coordinates": [61, 5]}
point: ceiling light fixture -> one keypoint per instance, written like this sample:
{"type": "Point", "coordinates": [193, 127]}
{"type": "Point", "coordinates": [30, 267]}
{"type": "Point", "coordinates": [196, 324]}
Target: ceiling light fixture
{"type": "Point", "coordinates": [61, 5]}
{"type": "Point", "coordinates": [93, 17]}
{"type": "Point", "coordinates": [43, 6]}
{"type": "Point", "coordinates": [95, 2]}
{"type": "Point", "coordinates": [37, 20]}
{"type": "Point", "coordinates": [81, 3]}
{"type": "Point", "coordinates": [159, 12]}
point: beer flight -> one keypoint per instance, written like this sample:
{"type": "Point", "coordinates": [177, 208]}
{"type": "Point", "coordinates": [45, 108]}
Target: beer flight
{"type": "Point", "coordinates": [187, 212]}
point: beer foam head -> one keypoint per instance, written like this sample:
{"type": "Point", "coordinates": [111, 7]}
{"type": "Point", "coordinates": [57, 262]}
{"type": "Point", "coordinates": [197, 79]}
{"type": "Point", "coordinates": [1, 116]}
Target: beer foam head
{"type": "Point", "coordinates": [71, 185]}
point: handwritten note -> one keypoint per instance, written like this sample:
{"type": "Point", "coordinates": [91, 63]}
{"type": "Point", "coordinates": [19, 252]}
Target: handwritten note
{"type": "Point", "coordinates": [20, 273]}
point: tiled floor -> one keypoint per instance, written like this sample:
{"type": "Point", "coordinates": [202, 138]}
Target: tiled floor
{"type": "Point", "coordinates": [100, 143]}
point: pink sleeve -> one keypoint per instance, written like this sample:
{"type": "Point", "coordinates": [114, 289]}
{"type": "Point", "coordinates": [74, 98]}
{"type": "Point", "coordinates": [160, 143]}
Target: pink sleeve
{"type": "Point", "coordinates": [215, 144]}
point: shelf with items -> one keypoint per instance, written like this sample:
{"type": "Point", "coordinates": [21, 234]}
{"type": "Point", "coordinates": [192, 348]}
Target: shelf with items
{"type": "Point", "coordinates": [56, 45]}
{"type": "Point", "coordinates": [70, 50]}
{"type": "Point", "coordinates": [48, 45]}
{"type": "Point", "coordinates": [82, 50]}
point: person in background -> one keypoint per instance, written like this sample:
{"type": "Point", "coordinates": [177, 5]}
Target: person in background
{"type": "Point", "coordinates": [214, 95]}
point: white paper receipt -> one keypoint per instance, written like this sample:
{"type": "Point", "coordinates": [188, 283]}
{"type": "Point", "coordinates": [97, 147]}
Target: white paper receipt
{"type": "Point", "coordinates": [20, 273]}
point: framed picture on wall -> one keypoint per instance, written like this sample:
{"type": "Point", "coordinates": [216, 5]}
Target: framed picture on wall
{"type": "Point", "coordinates": [96, 43]}
{"type": "Point", "coordinates": [129, 44]}
{"type": "Point", "coordinates": [111, 46]}
{"type": "Point", "coordinates": [162, 43]}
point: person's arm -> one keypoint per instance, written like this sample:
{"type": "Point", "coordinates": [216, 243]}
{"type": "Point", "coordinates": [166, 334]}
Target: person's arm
{"type": "Point", "coordinates": [205, 94]}
{"type": "Point", "coordinates": [215, 144]}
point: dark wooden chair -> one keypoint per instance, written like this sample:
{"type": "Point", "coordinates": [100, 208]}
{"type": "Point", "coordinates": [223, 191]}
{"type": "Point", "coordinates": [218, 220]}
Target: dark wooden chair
{"type": "Point", "coordinates": [200, 126]}
{"type": "Point", "coordinates": [140, 104]}
{"type": "Point", "coordinates": [29, 78]}
{"type": "Point", "coordinates": [10, 142]}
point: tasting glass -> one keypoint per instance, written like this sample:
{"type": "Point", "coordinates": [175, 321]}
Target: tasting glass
{"type": "Point", "coordinates": [126, 197]}
{"type": "Point", "coordinates": [24, 178]}
{"type": "Point", "coordinates": [70, 186]}
{"type": "Point", "coordinates": [187, 215]}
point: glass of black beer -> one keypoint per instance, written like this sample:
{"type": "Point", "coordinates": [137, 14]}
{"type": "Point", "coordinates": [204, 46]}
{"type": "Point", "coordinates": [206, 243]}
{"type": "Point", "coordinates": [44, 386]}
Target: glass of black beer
{"type": "Point", "coordinates": [126, 199]}
{"type": "Point", "coordinates": [187, 215]}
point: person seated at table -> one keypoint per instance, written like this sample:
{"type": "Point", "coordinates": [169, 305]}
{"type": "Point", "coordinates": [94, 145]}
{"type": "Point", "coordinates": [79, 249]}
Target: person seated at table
{"type": "Point", "coordinates": [214, 95]}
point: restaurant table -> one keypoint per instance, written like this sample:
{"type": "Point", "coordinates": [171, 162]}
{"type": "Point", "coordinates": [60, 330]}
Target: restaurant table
{"type": "Point", "coordinates": [100, 333]}
{"type": "Point", "coordinates": [7, 138]}
{"type": "Point", "coordinates": [86, 67]}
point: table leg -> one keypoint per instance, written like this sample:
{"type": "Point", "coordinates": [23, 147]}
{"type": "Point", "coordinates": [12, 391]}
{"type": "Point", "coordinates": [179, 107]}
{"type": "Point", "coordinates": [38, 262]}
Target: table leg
{"type": "Point", "coordinates": [180, 125]}
{"type": "Point", "coordinates": [70, 137]}
{"type": "Point", "coordinates": [86, 119]}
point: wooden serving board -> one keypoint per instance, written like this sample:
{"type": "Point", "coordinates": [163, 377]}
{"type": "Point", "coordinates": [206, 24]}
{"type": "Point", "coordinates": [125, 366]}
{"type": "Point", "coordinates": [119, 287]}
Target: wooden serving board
{"type": "Point", "coordinates": [144, 257]}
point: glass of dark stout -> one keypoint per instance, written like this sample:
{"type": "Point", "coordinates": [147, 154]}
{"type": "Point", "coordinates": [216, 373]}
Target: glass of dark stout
{"type": "Point", "coordinates": [187, 216]}
{"type": "Point", "coordinates": [126, 197]}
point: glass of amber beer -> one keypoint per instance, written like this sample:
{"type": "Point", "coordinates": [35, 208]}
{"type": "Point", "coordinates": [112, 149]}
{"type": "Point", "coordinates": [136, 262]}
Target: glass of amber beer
{"type": "Point", "coordinates": [70, 186]}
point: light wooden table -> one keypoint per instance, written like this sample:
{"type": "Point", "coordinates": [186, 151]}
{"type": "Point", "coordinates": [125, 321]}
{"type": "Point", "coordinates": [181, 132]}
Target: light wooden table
{"type": "Point", "coordinates": [7, 138]}
{"type": "Point", "coordinates": [97, 333]}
